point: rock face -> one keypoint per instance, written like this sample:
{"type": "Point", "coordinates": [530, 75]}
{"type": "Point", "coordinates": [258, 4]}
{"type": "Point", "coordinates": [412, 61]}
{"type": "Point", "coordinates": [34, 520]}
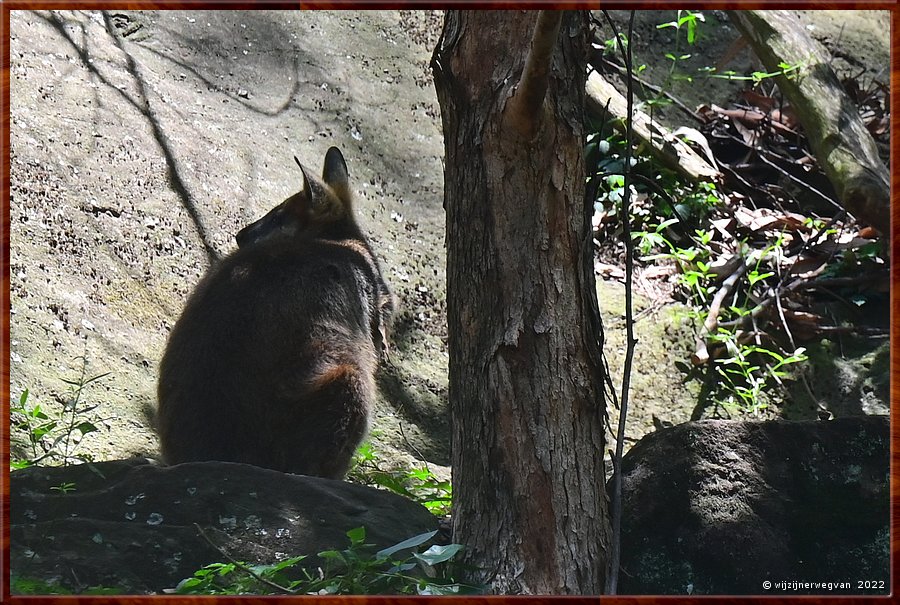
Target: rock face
{"type": "Point", "coordinates": [130, 525]}
{"type": "Point", "coordinates": [721, 507]}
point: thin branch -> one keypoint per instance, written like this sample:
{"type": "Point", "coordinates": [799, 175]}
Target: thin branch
{"type": "Point", "coordinates": [410, 445]}
{"type": "Point", "coordinates": [243, 567]}
{"type": "Point", "coordinates": [764, 154]}
{"type": "Point", "coordinates": [776, 293]}
{"type": "Point", "coordinates": [701, 354]}
{"type": "Point", "coordinates": [651, 87]}
{"type": "Point", "coordinates": [741, 322]}
{"type": "Point", "coordinates": [612, 578]}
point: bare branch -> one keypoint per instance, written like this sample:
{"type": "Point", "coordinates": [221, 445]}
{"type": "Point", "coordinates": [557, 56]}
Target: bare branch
{"type": "Point", "coordinates": [528, 100]}
{"type": "Point", "coordinates": [604, 101]}
{"type": "Point", "coordinates": [612, 579]}
{"type": "Point", "coordinates": [701, 354]}
{"type": "Point", "coordinates": [241, 566]}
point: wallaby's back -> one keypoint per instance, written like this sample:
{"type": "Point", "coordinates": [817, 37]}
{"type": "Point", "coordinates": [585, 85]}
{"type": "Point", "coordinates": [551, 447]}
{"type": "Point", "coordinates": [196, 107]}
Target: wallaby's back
{"type": "Point", "coordinates": [272, 361]}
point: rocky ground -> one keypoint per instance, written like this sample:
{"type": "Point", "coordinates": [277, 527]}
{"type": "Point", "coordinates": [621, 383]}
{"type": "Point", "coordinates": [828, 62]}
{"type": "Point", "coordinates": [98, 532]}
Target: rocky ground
{"type": "Point", "coordinates": [141, 142]}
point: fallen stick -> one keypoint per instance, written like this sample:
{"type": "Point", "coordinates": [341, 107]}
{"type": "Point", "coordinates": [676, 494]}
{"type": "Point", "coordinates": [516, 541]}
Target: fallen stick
{"type": "Point", "coordinates": [701, 353]}
{"type": "Point", "coordinates": [603, 99]}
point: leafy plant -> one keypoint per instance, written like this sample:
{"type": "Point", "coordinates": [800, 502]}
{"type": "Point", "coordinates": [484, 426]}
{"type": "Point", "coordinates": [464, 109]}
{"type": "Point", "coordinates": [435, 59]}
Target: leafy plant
{"type": "Point", "coordinates": [53, 435]}
{"type": "Point", "coordinates": [418, 484]}
{"type": "Point", "coordinates": [64, 488]}
{"type": "Point", "coordinates": [672, 220]}
{"type": "Point", "coordinates": [353, 570]}
{"type": "Point", "coordinates": [749, 369]}
{"type": "Point", "coordinates": [784, 69]}
{"type": "Point", "coordinates": [20, 585]}
{"type": "Point", "coordinates": [688, 20]}
{"type": "Point", "coordinates": [661, 201]}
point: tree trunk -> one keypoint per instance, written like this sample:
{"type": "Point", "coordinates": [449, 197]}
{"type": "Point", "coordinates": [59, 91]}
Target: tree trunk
{"type": "Point", "coordinates": [526, 392]}
{"type": "Point", "coordinates": [831, 121]}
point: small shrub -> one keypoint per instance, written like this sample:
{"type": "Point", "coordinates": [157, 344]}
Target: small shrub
{"type": "Point", "coordinates": [351, 571]}
{"type": "Point", "coordinates": [418, 484]}
{"type": "Point", "coordinates": [52, 436]}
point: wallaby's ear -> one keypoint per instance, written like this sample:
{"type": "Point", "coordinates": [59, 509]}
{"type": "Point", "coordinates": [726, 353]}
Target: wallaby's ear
{"type": "Point", "coordinates": [335, 173]}
{"type": "Point", "coordinates": [321, 204]}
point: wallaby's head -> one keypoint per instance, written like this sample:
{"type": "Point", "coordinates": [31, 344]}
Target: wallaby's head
{"type": "Point", "coordinates": [322, 207]}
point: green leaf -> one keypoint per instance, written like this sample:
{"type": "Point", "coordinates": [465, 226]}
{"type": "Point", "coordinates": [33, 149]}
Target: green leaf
{"type": "Point", "coordinates": [357, 535]}
{"type": "Point", "coordinates": [39, 431]}
{"type": "Point", "coordinates": [408, 543]}
{"type": "Point", "coordinates": [37, 412]}
{"type": "Point", "coordinates": [87, 427]}
{"type": "Point", "coordinates": [223, 569]}
{"type": "Point", "coordinates": [665, 224]}
{"type": "Point", "coordinates": [401, 567]}
{"type": "Point", "coordinates": [281, 565]}
{"type": "Point", "coordinates": [438, 554]}
{"type": "Point", "coordinates": [615, 180]}
{"type": "Point", "coordinates": [754, 277]}
{"type": "Point", "coordinates": [186, 585]}
{"type": "Point", "coordinates": [332, 555]}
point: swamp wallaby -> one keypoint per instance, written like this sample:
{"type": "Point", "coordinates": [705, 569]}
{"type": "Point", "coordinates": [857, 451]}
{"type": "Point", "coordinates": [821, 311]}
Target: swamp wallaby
{"type": "Point", "coordinates": [272, 361]}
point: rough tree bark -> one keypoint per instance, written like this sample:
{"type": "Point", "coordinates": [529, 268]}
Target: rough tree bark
{"type": "Point", "coordinates": [526, 376]}
{"type": "Point", "coordinates": [836, 133]}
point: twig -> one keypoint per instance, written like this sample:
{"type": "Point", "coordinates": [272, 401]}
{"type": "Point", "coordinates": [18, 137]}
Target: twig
{"type": "Point", "coordinates": [842, 282]}
{"type": "Point", "coordinates": [701, 354]}
{"type": "Point", "coordinates": [612, 577]}
{"type": "Point", "coordinates": [836, 296]}
{"type": "Point", "coordinates": [762, 155]}
{"type": "Point", "coordinates": [776, 293]}
{"type": "Point", "coordinates": [748, 189]}
{"type": "Point", "coordinates": [652, 309]}
{"type": "Point", "coordinates": [241, 566]}
{"type": "Point", "coordinates": [413, 447]}
{"type": "Point", "coordinates": [867, 332]}
{"type": "Point", "coordinates": [809, 243]}
{"type": "Point", "coordinates": [653, 88]}
{"type": "Point", "coordinates": [760, 307]}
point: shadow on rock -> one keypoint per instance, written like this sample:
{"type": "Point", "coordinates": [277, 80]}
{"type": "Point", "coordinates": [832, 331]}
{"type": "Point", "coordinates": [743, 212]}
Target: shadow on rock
{"type": "Point", "coordinates": [142, 528]}
{"type": "Point", "coordinates": [729, 507]}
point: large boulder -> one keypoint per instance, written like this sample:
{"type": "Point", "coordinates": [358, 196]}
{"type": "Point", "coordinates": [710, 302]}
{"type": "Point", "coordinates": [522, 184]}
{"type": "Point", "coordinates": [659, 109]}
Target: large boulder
{"type": "Point", "coordinates": [134, 526]}
{"type": "Point", "coordinates": [723, 507]}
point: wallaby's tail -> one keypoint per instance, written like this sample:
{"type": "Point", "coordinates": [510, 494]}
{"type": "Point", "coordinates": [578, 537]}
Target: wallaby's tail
{"type": "Point", "coordinates": [338, 404]}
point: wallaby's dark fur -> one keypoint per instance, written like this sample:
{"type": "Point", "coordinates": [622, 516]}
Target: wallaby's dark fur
{"type": "Point", "coordinates": [272, 361]}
